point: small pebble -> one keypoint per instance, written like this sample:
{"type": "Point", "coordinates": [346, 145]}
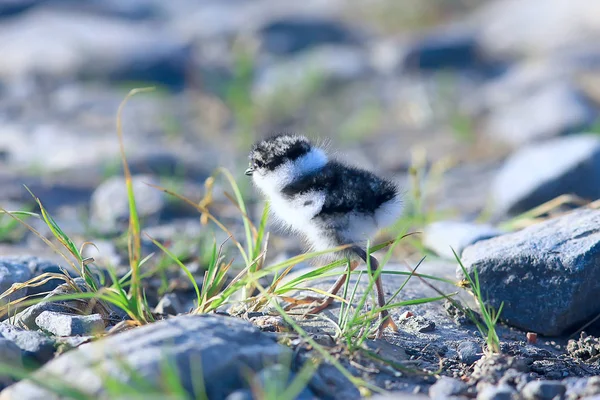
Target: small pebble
{"type": "Point", "coordinates": [406, 315]}
{"type": "Point", "coordinates": [469, 352]}
{"type": "Point", "coordinates": [531, 337]}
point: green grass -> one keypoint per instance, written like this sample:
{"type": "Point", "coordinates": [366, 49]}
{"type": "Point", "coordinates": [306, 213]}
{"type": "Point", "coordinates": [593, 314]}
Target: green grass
{"type": "Point", "coordinates": [489, 315]}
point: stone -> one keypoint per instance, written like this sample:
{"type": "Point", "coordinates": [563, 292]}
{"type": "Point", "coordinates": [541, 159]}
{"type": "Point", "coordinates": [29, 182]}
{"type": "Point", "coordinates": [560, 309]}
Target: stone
{"type": "Point", "coordinates": [446, 387]}
{"type": "Point", "coordinates": [543, 390]}
{"type": "Point", "coordinates": [417, 323]}
{"type": "Point", "coordinates": [469, 352]}
{"type": "Point", "coordinates": [110, 205]}
{"type": "Point", "coordinates": [448, 47]}
{"type": "Point", "coordinates": [10, 355]}
{"type": "Point", "coordinates": [546, 274]}
{"type": "Point", "coordinates": [555, 109]}
{"type": "Point", "coordinates": [36, 348]}
{"type": "Point", "coordinates": [290, 35]}
{"type": "Point", "coordinates": [443, 236]}
{"type": "Point", "coordinates": [62, 324]}
{"type": "Point", "coordinates": [39, 266]}
{"type": "Point", "coordinates": [500, 392]}
{"type": "Point", "coordinates": [169, 304]}
{"type": "Point", "coordinates": [219, 350]}
{"type": "Point", "coordinates": [13, 271]}
{"type": "Point", "coordinates": [90, 46]}
{"type": "Point", "coordinates": [541, 172]}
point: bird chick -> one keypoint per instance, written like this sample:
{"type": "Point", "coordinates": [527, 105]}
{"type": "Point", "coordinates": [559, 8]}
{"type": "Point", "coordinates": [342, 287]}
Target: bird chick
{"type": "Point", "coordinates": [329, 203]}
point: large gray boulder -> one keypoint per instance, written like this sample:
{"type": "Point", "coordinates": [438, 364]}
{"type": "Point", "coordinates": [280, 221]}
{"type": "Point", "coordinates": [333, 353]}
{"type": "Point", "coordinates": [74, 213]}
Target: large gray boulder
{"type": "Point", "coordinates": [541, 172]}
{"type": "Point", "coordinates": [217, 351]}
{"type": "Point", "coordinates": [547, 275]}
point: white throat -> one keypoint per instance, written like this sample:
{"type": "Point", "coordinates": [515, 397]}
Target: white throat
{"type": "Point", "coordinates": [272, 182]}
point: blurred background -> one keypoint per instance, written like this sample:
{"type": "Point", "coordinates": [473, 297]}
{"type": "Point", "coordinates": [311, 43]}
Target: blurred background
{"type": "Point", "coordinates": [481, 109]}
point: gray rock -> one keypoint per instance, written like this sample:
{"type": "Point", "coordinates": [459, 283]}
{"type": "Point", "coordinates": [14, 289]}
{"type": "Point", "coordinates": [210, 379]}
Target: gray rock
{"type": "Point", "coordinates": [543, 390]}
{"type": "Point", "coordinates": [446, 387]}
{"type": "Point", "coordinates": [36, 348]}
{"type": "Point", "coordinates": [443, 236]}
{"type": "Point", "coordinates": [61, 324]}
{"type": "Point", "coordinates": [500, 392]}
{"type": "Point", "coordinates": [13, 271]}
{"type": "Point", "coordinates": [82, 47]}
{"type": "Point", "coordinates": [291, 35]}
{"type": "Point", "coordinates": [10, 354]}
{"type": "Point", "coordinates": [417, 323]}
{"type": "Point", "coordinates": [555, 109]}
{"type": "Point", "coordinates": [546, 274]}
{"type": "Point", "coordinates": [469, 352]}
{"type": "Point", "coordinates": [110, 206]}
{"type": "Point", "coordinates": [448, 47]}
{"type": "Point", "coordinates": [39, 266]}
{"type": "Point", "coordinates": [541, 172]}
{"type": "Point", "coordinates": [222, 349]}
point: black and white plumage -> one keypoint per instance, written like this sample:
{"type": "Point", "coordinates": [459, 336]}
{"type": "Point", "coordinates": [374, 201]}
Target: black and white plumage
{"type": "Point", "coordinates": [330, 203]}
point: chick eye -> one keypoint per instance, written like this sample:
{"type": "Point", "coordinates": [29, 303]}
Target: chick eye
{"type": "Point", "coordinates": [258, 164]}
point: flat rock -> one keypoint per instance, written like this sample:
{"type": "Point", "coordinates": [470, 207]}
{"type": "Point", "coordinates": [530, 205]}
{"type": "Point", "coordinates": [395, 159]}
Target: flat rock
{"type": "Point", "coordinates": [110, 205]}
{"type": "Point", "coordinates": [546, 275]}
{"type": "Point", "coordinates": [541, 172]}
{"type": "Point", "coordinates": [223, 350]}
{"type": "Point", "coordinates": [443, 236]}
{"type": "Point", "coordinates": [62, 324]}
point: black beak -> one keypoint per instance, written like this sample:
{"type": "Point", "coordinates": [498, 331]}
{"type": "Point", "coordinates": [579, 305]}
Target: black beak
{"type": "Point", "coordinates": [249, 171]}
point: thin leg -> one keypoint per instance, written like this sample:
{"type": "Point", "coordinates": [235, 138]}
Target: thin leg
{"type": "Point", "coordinates": [327, 300]}
{"type": "Point", "coordinates": [384, 318]}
